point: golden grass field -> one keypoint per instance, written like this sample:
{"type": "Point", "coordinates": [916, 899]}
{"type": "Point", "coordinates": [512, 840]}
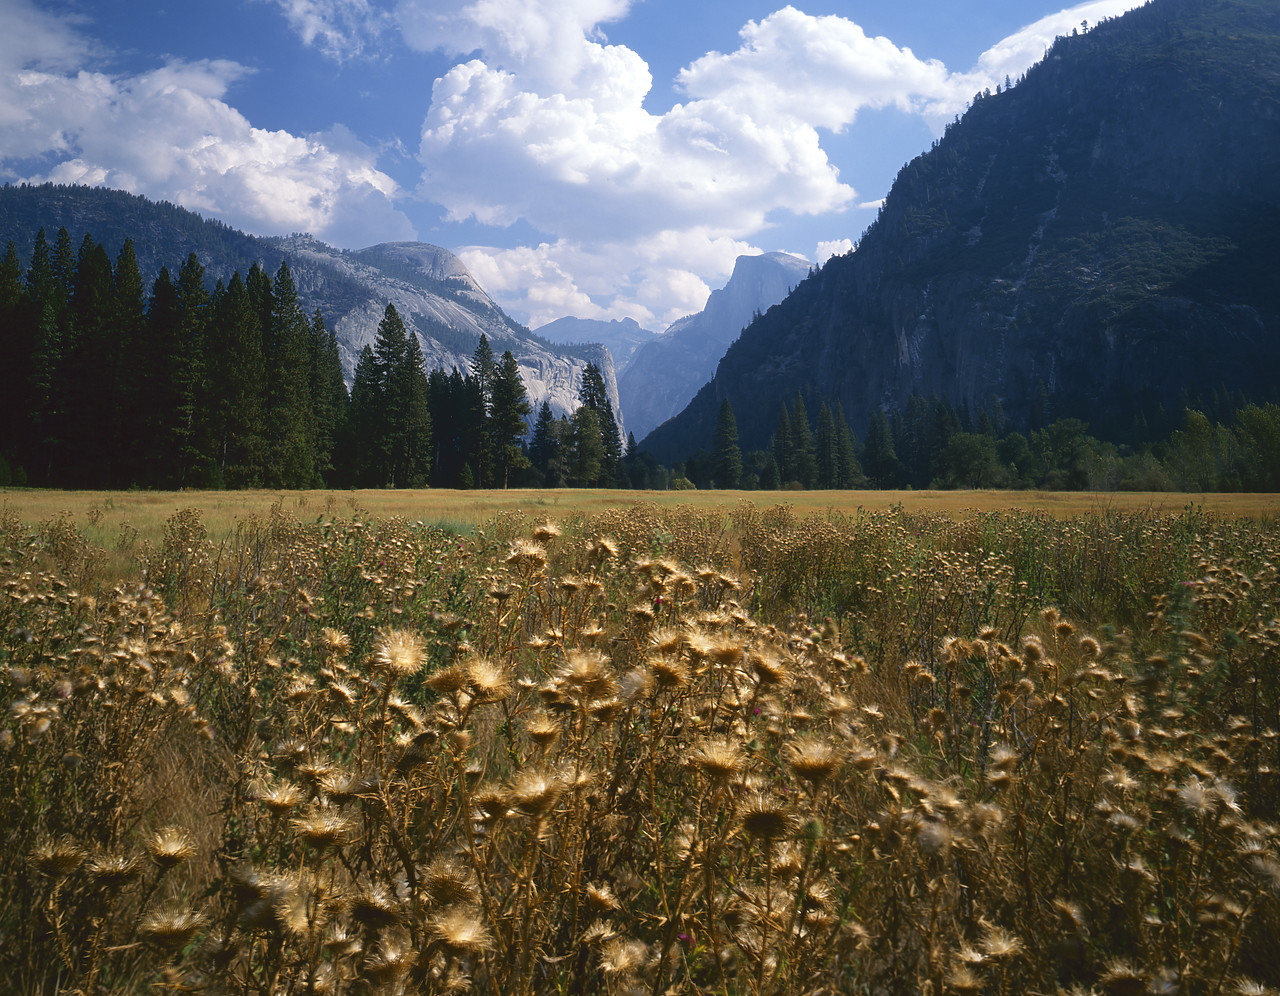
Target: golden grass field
{"type": "Point", "coordinates": [147, 511]}
{"type": "Point", "coordinates": [697, 743]}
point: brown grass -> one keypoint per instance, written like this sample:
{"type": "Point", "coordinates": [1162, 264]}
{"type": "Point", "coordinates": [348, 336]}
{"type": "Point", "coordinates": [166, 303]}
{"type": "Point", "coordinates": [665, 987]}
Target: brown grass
{"type": "Point", "coordinates": [732, 750]}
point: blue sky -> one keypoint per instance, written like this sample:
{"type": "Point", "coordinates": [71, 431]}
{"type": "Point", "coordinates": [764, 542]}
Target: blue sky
{"type": "Point", "coordinates": [597, 158]}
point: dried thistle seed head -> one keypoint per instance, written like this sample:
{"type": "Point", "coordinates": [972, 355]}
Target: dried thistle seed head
{"type": "Point", "coordinates": [601, 897]}
{"type": "Point", "coordinates": [933, 837]}
{"type": "Point", "coordinates": [769, 668]}
{"type": "Point", "coordinates": [449, 883]}
{"type": "Point", "coordinates": [998, 943]}
{"type": "Point", "coordinates": [719, 759]}
{"type": "Point", "coordinates": [491, 803]}
{"type": "Point", "coordinates": [1070, 916]}
{"type": "Point", "coordinates": [335, 642]}
{"type": "Point", "coordinates": [535, 791]}
{"type": "Point", "coordinates": [1123, 979]}
{"type": "Point", "coordinates": [813, 759]}
{"type": "Point", "coordinates": [546, 532]}
{"type": "Point", "coordinates": [543, 729]}
{"type": "Point", "coordinates": [766, 818]}
{"type": "Point", "coordinates": [375, 908]}
{"type": "Point", "coordinates": [461, 930]}
{"type": "Point", "coordinates": [488, 682]}
{"type": "Point", "coordinates": [636, 684]}
{"type": "Point", "coordinates": [668, 640]}
{"type": "Point", "coordinates": [111, 871]}
{"type": "Point", "coordinates": [669, 672]}
{"type": "Point", "coordinates": [170, 846]}
{"type": "Point", "coordinates": [527, 555]}
{"type": "Point", "coordinates": [623, 956]}
{"type": "Point", "coordinates": [58, 858]}
{"type": "Point", "coordinates": [281, 797]}
{"type": "Point", "coordinates": [963, 979]}
{"type": "Point", "coordinates": [588, 674]}
{"type": "Point", "coordinates": [1197, 797]}
{"type": "Point", "coordinates": [398, 652]}
{"type": "Point", "coordinates": [449, 680]}
{"type": "Point", "coordinates": [170, 928]}
{"type": "Point", "coordinates": [323, 828]}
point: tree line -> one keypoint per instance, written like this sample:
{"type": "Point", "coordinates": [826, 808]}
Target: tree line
{"type": "Point", "coordinates": [933, 444]}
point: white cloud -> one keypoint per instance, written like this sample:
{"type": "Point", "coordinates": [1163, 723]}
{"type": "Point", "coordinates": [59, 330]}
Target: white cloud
{"type": "Point", "coordinates": [826, 250]}
{"type": "Point", "coordinates": [655, 281]}
{"type": "Point", "coordinates": [339, 28]}
{"type": "Point", "coordinates": [169, 134]}
{"type": "Point", "coordinates": [546, 123]}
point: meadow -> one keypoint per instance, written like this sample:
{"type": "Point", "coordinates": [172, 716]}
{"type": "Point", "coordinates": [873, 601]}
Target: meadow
{"type": "Point", "coordinates": [592, 742]}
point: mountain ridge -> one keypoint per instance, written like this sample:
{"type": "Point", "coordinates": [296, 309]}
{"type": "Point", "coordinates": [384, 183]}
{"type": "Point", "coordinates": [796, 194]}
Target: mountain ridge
{"type": "Point", "coordinates": [1096, 241]}
{"type": "Point", "coordinates": [435, 294]}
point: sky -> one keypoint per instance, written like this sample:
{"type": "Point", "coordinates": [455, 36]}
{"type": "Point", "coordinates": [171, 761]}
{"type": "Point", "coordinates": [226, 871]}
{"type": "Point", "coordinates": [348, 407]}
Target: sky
{"type": "Point", "coordinates": [597, 158]}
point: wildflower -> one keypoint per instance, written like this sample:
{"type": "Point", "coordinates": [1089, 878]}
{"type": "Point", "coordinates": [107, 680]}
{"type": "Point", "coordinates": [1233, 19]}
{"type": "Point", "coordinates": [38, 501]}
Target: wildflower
{"type": "Point", "coordinates": [813, 759]}
{"type": "Point", "coordinates": [170, 846]}
{"type": "Point", "coordinates": [461, 930]}
{"type": "Point", "coordinates": [400, 652]}
{"type": "Point", "coordinates": [720, 760]}
{"type": "Point", "coordinates": [170, 928]}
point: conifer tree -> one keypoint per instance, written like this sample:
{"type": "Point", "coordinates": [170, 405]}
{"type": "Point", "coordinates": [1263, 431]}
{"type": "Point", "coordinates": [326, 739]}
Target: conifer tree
{"type": "Point", "coordinates": [87, 379]}
{"type": "Point", "coordinates": [509, 409]}
{"type": "Point", "coordinates": [290, 432]}
{"type": "Point", "coordinates": [237, 388]}
{"type": "Point", "coordinates": [879, 459]}
{"type": "Point", "coordinates": [782, 448]}
{"type": "Point", "coordinates": [360, 430]}
{"type": "Point", "coordinates": [128, 321]}
{"type": "Point", "coordinates": [479, 440]}
{"type": "Point", "coordinates": [328, 395]}
{"type": "Point", "coordinates": [15, 346]}
{"type": "Point", "coordinates": [803, 454]}
{"type": "Point", "coordinates": [727, 457]}
{"type": "Point", "coordinates": [588, 448]}
{"type": "Point", "coordinates": [848, 472]}
{"type": "Point", "coordinates": [825, 446]}
{"type": "Point", "coordinates": [593, 395]}
{"type": "Point", "coordinates": [542, 444]}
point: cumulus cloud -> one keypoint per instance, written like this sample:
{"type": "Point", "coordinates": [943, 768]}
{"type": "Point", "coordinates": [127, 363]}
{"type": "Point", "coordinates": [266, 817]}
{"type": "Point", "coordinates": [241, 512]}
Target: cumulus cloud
{"type": "Point", "coordinates": [339, 28]}
{"type": "Point", "coordinates": [654, 281]}
{"type": "Point", "coordinates": [826, 250]}
{"type": "Point", "coordinates": [546, 123]}
{"type": "Point", "coordinates": [170, 134]}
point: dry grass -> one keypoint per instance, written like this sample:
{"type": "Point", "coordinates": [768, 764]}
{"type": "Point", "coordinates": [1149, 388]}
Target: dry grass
{"type": "Point", "coordinates": [647, 749]}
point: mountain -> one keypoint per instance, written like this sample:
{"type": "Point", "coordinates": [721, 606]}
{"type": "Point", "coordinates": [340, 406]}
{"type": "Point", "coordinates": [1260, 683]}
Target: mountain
{"type": "Point", "coordinates": [622, 337]}
{"type": "Point", "coordinates": [435, 294]}
{"type": "Point", "coordinates": [667, 371]}
{"type": "Point", "coordinates": [1096, 241]}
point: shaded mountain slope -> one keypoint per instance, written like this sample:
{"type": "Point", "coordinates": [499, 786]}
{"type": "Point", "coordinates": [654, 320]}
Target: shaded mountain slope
{"type": "Point", "coordinates": [1097, 241]}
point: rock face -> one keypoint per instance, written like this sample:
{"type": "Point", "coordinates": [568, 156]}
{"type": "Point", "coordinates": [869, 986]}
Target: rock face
{"type": "Point", "coordinates": [438, 298]}
{"type": "Point", "coordinates": [622, 337]}
{"type": "Point", "coordinates": [435, 294]}
{"type": "Point", "coordinates": [667, 371]}
{"type": "Point", "coordinates": [1097, 242]}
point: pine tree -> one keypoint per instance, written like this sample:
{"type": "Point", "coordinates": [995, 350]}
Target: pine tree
{"type": "Point", "coordinates": [727, 456]}
{"type": "Point", "coordinates": [128, 321]}
{"type": "Point", "coordinates": [328, 395]}
{"type": "Point", "coordinates": [588, 448]}
{"type": "Point", "coordinates": [879, 459]}
{"type": "Point", "coordinates": [290, 431]}
{"type": "Point", "coordinates": [415, 458]}
{"type": "Point", "coordinates": [802, 447]}
{"type": "Point", "coordinates": [593, 395]}
{"type": "Point", "coordinates": [15, 346]}
{"type": "Point", "coordinates": [782, 448]}
{"type": "Point", "coordinates": [237, 388]}
{"type": "Point", "coordinates": [479, 441]}
{"type": "Point", "coordinates": [826, 449]}
{"type": "Point", "coordinates": [848, 472]}
{"type": "Point", "coordinates": [543, 441]}
{"type": "Point", "coordinates": [360, 444]}
{"type": "Point", "coordinates": [507, 425]}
